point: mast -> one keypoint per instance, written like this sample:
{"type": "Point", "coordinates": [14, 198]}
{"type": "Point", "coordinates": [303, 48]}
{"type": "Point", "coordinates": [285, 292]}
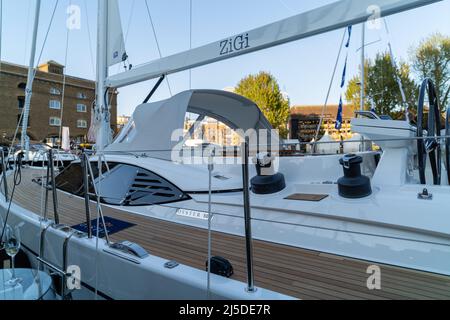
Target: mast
{"type": "Point", "coordinates": [102, 104]}
{"type": "Point", "coordinates": [363, 65]}
{"type": "Point", "coordinates": [29, 88]}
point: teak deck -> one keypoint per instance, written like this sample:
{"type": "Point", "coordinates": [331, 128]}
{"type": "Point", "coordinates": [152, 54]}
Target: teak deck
{"type": "Point", "coordinates": [292, 271]}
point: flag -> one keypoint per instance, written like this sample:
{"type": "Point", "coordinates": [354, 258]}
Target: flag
{"type": "Point", "coordinates": [339, 117]}
{"type": "Point", "coordinates": [349, 36]}
{"type": "Point", "coordinates": [344, 73]}
{"type": "Point", "coordinates": [338, 125]}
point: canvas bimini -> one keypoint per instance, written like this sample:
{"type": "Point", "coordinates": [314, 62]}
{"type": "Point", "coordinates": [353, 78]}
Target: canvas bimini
{"type": "Point", "coordinates": [140, 218]}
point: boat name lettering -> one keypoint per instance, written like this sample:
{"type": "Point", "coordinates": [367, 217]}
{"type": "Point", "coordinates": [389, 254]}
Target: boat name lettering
{"type": "Point", "coordinates": [235, 44]}
{"type": "Point", "coordinates": [193, 214]}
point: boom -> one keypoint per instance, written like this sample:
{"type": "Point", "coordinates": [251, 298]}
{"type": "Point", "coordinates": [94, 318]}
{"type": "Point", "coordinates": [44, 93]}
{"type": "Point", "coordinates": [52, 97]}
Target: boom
{"type": "Point", "coordinates": [321, 20]}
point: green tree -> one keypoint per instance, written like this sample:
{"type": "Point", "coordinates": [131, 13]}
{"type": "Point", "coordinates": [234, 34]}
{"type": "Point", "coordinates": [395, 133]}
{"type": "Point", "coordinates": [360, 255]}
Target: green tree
{"type": "Point", "coordinates": [264, 90]}
{"type": "Point", "coordinates": [431, 59]}
{"type": "Point", "coordinates": [382, 91]}
{"type": "Point", "coordinates": [353, 93]}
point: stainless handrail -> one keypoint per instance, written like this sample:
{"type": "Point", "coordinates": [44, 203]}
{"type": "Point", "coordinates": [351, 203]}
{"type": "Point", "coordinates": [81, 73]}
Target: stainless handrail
{"type": "Point", "coordinates": [65, 275]}
{"type": "Point", "coordinates": [84, 162]}
{"type": "Point", "coordinates": [4, 170]}
{"type": "Point", "coordinates": [210, 216]}
{"type": "Point", "coordinates": [99, 205]}
{"type": "Point", "coordinates": [447, 143]}
{"type": "Point", "coordinates": [247, 217]}
{"type": "Point", "coordinates": [54, 193]}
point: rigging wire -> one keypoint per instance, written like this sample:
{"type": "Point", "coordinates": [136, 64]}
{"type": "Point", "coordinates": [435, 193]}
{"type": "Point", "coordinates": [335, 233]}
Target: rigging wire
{"type": "Point", "coordinates": [91, 52]}
{"type": "Point", "coordinates": [157, 42]}
{"type": "Point", "coordinates": [34, 74]}
{"type": "Point", "coordinates": [17, 179]}
{"type": "Point", "coordinates": [63, 96]}
{"type": "Point", "coordinates": [397, 73]}
{"type": "Point", "coordinates": [28, 35]}
{"type": "Point", "coordinates": [129, 21]}
{"type": "Point", "coordinates": [285, 5]}
{"type": "Point", "coordinates": [47, 34]}
{"type": "Point", "coordinates": [190, 41]}
{"type": "Point", "coordinates": [330, 86]}
{"type": "Point", "coordinates": [126, 36]}
{"type": "Point", "coordinates": [97, 192]}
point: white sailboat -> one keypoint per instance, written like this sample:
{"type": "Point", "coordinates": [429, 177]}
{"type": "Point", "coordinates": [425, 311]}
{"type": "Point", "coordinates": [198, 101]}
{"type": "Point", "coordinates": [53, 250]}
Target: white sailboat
{"type": "Point", "coordinates": [307, 228]}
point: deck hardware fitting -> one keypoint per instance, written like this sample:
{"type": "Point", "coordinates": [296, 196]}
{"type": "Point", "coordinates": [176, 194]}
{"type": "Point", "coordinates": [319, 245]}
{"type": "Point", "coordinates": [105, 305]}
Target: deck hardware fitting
{"type": "Point", "coordinates": [171, 265]}
{"type": "Point", "coordinates": [425, 195]}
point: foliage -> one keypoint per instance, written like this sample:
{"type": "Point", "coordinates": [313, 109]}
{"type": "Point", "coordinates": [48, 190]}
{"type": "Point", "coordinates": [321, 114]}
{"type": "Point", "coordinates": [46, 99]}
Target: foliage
{"type": "Point", "coordinates": [431, 59]}
{"type": "Point", "coordinates": [382, 90]}
{"type": "Point", "coordinates": [264, 90]}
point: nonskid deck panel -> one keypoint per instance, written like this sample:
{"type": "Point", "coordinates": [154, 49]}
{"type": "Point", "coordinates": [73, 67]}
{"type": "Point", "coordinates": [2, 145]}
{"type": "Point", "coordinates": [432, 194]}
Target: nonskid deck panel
{"type": "Point", "coordinates": [292, 271]}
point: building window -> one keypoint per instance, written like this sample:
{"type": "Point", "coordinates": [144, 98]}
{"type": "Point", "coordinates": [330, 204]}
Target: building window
{"type": "Point", "coordinates": [55, 122]}
{"type": "Point", "coordinates": [20, 102]}
{"type": "Point", "coordinates": [22, 85]}
{"type": "Point", "coordinates": [81, 108]}
{"type": "Point", "coordinates": [82, 124]}
{"type": "Point", "coordinates": [55, 91]}
{"type": "Point", "coordinates": [55, 104]}
{"type": "Point", "coordinates": [55, 70]}
{"type": "Point", "coordinates": [81, 95]}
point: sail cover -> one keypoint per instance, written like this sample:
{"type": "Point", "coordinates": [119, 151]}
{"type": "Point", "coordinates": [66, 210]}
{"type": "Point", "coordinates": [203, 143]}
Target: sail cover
{"type": "Point", "coordinates": [116, 43]}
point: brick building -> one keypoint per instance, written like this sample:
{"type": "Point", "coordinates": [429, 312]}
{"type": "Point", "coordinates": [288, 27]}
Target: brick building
{"type": "Point", "coordinates": [46, 103]}
{"type": "Point", "coordinates": [304, 121]}
{"type": "Point", "coordinates": [122, 121]}
{"type": "Point", "coordinates": [215, 132]}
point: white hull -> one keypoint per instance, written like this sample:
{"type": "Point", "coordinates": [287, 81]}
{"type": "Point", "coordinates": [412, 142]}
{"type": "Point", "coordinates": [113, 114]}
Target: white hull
{"type": "Point", "coordinates": [121, 276]}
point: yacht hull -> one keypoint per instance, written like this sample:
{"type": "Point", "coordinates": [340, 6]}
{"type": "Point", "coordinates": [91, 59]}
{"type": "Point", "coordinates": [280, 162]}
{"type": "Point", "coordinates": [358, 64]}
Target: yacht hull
{"type": "Point", "coordinates": [284, 269]}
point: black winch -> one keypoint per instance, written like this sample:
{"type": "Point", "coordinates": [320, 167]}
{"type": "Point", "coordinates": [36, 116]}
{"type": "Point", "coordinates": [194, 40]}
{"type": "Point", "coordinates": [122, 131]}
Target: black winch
{"type": "Point", "coordinates": [353, 185]}
{"type": "Point", "coordinates": [267, 181]}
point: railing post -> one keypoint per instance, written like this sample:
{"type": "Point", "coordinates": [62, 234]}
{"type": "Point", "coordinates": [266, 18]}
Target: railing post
{"type": "Point", "coordinates": [84, 163]}
{"type": "Point", "coordinates": [47, 184]}
{"type": "Point", "coordinates": [247, 216]}
{"type": "Point", "coordinates": [50, 164]}
{"type": "Point", "coordinates": [4, 169]}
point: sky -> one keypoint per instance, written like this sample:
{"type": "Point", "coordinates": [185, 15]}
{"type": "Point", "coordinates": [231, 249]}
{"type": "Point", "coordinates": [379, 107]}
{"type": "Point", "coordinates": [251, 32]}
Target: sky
{"type": "Point", "coordinates": [303, 68]}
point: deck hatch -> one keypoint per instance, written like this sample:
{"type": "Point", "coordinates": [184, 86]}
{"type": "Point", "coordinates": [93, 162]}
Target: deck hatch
{"type": "Point", "coordinates": [307, 197]}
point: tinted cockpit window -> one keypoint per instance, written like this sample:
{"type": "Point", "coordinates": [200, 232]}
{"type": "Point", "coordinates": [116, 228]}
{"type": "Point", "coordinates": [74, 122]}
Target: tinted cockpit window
{"type": "Point", "coordinates": [114, 184]}
{"type": "Point", "coordinates": [71, 180]}
{"type": "Point", "coordinates": [121, 184]}
{"type": "Point", "coordinates": [148, 188]}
